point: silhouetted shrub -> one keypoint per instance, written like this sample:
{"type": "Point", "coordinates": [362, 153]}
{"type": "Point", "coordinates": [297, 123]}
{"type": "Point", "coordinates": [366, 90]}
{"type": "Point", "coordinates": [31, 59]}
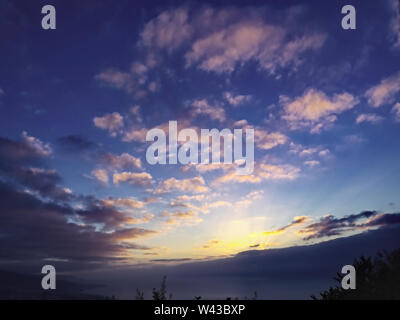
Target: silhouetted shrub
{"type": "Point", "coordinates": [377, 278]}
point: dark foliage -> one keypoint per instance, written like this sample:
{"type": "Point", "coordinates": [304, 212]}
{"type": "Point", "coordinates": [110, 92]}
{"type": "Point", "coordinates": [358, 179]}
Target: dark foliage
{"type": "Point", "coordinates": [376, 279]}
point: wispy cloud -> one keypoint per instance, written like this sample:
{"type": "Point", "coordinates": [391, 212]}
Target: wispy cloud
{"type": "Point", "coordinates": [134, 178]}
{"type": "Point", "coordinates": [192, 185]}
{"type": "Point", "coordinates": [112, 122]}
{"type": "Point", "coordinates": [100, 175]}
{"type": "Point", "coordinates": [122, 162]}
{"type": "Point", "coordinates": [384, 92]}
{"type": "Point", "coordinates": [236, 100]}
{"type": "Point", "coordinates": [369, 117]}
{"type": "Point", "coordinates": [315, 110]}
{"type": "Point", "coordinates": [40, 148]}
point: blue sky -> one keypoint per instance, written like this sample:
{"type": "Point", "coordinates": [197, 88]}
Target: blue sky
{"type": "Point", "coordinates": [324, 103]}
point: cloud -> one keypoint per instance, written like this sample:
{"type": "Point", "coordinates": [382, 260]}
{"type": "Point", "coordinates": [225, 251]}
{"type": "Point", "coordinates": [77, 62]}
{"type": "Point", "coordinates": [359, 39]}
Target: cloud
{"type": "Point", "coordinates": [296, 221]}
{"type": "Point", "coordinates": [211, 244]}
{"type": "Point", "coordinates": [136, 179]}
{"type": "Point", "coordinates": [192, 185]}
{"type": "Point", "coordinates": [276, 273]}
{"type": "Point", "coordinates": [207, 167]}
{"type": "Point", "coordinates": [395, 23]}
{"type": "Point", "coordinates": [123, 202]}
{"type": "Point", "coordinates": [197, 197]}
{"type": "Point", "coordinates": [249, 198]}
{"type": "Point", "coordinates": [123, 161]}
{"type": "Point", "coordinates": [167, 31]}
{"type": "Point", "coordinates": [106, 215]}
{"type": "Point", "coordinates": [315, 110]}
{"type": "Point", "coordinates": [240, 36]}
{"type": "Point", "coordinates": [384, 92]}
{"type": "Point", "coordinates": [23, 162]}
{"type": "Point", "coordinates": [40, 148]}
{"type": "Point", "coordinates": [101, 175]}
{"type": "Point", "coordinates": [184, 202]}
{"type": "Point", "coordinates": [312, 163]}
{"type": "Point", "coordinates": [396, 110]}
{"type": "Point", "coordinates": [202, 107]}
{"type": "Point", "coordinates": [219, 204]}
{"type": "Point", "coordinates": [134, 82]}
{"type": "Point", "coordinates": [117, 79]}
{"type": "Point", "coordinates": [1, 92]}
{"type": "Point", "coordinates": [181, 217]}
{"type": "Point", "coordinates": [218, 40]}
{"type": "Point", "coordinates": [267, 140]}
{"type": "Point", "coordinates": [324, 153]}
{"type": "Point", "coordinates": [261, 173]}
{"type": "Point", "coordinates": [76, 143]}
{"type": "Point", "coordinates": [135, 134]}
{"type": "Point", "coordinates": [236, 100]}
{"type": "Point", "coordinates": [308, 151]}
{"type": "Point", "coordinates": [369, 117]}
{"type": "Point", "coordinates": [330, 226]}
{"type": "Point", "coordinates": [14, 153]}
{"type": "Point", "coordinates": [112, 122]}
{"type": "Point", "coordinates": [130, 233]}
{"type": "Point", "coordinates": [33, 230]}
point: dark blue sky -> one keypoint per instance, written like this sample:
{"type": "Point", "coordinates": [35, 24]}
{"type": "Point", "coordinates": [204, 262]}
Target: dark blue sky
{"type": "Point", "coordinates": [76, 103]}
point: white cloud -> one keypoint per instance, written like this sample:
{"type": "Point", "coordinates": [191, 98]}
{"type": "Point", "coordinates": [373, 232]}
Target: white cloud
{"type": "Point", "coordinates": [168, 30]}
{"type": "Point", "coordinates": [311, 163]}
{"type": "Point", "coordinates": [315, 110]}
{"type": "Point", "coordinates": [261, 173]}
{"type": "Point", "coordinates": [113, 122]}
{"type": "Point", "coordinates": [116, 79]}
{"type": "Point", "coordinates": [307, 151]}
{"type": "Point", "coordinates": [236, 100]}
{"type": "Point", "coordinates": [324, 153]}
{"type": "Point", "coordinates": [181, 217]}
{"type": "Point", "coordinates": [221, 39]}
{"type": "Point", "coordinates": [135, 134]}
{"type": "Point", "coordinates": [101, 175]}
{"type": "Point", "coordinates": [192, 185]}
{"type": "Point", "coordinates": [136, 179]}
{"type": "Point", "coordinates": [369, 117]}
{"type": "Point", "coordinates": [219, 204]}
{"type": "Point", "coordinates": [40, 148]}
{"type": "Point", "coordinates": [207, 167]}
{"type": "Point", "coordinates": [203, 107]}
{"type": "Point", "coordinates": [135, 111]}
{"type": "Point", "coordinates": [396, 110]}
{"type": "Point", "coordinates": [265, 140]}
{"type": "Point", "coordinates": [124, 161]}
{"type": "Point", "coordinates": [384, 92]}
{"type": "Point", "coordinates": [240, 37]}
{"type": "Point", "coordinates": [135, 81]}
{"type": "Point", "coordinates": [123, 202]}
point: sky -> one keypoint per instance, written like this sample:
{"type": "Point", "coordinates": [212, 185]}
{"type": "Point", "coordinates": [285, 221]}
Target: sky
{"type": "Point", "coordinates": [76, 104]}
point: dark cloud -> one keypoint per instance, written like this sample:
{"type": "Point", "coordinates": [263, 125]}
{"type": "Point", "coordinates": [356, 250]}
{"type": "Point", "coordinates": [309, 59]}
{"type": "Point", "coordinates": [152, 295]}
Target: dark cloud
{"type": "Point", "coordinates": [76, 143]}
{"type": "Point", "coordinates": [296, 221]}
{"type": "Point", "coordinates": [39, 218]}
{"type": "Point", "coordinates": [13, 153]}
{"type": "Point", "coordinates": [331, 226]}
{"type": "Point", "coordinates": [384, 219]}
{"type": "Point", "coordinates": [25, 164]}
{"type": "Point", "coordinates": [32, 229]}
